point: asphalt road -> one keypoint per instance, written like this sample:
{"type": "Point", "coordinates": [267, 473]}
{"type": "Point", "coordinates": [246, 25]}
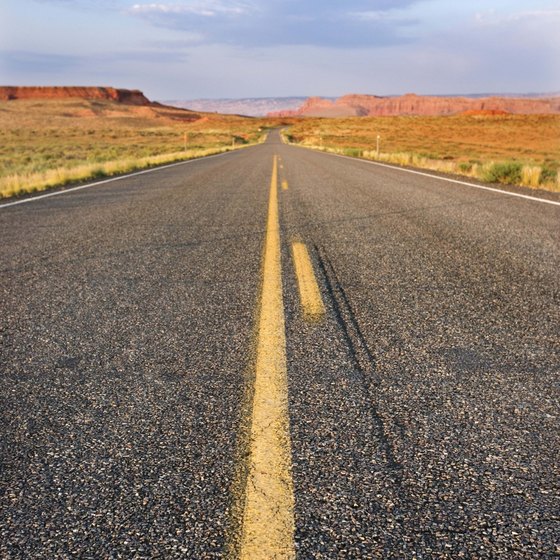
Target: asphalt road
{"type": "Point", "coordinates": [423, 408]}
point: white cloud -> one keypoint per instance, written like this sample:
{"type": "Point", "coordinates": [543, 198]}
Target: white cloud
{"type": "Point", "coordinates": [204, 9]}
{"type": "Point", "coordinates": [491, 18]}
{"type": "Point", "coordinates": [374, 16]}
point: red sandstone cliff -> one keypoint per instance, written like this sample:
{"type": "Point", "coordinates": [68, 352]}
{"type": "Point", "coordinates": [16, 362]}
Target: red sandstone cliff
{"type": "Point", "coordinates": [127, 96]}
{"type": "Point", "coordinates": [319, 107]}
{"type": "Point", "coordinates": [410, 104]}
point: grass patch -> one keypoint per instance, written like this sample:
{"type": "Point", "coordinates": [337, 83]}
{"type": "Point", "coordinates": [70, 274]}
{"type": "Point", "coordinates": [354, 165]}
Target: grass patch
{"type": "Point", "coordinates": [352, 152]}
{"type": "Point", "coordinates": [549, 173]}
{"type": "Point", "coordinates": [508, 173]}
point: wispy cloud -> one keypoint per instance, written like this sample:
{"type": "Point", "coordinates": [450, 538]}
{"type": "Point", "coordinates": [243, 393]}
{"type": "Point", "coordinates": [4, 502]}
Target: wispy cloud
{"type": "Point", "coordinates": [492, 18]}
{"type": "Point", "coordinates": [205, 9]}
{"type": "Point", "coordinates": [379, 15]}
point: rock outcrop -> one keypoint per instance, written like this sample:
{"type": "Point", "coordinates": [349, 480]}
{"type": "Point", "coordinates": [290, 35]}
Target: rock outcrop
{"type": "Point", "coordinates": [411, 104]}
{"type": "Point", "coordinates": [127, 96]}
{"type": "Point", "coordinates": [319, 107]}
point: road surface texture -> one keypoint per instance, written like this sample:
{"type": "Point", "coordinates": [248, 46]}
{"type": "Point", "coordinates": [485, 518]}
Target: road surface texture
{"type": "Point", "coordinates": [421, 400]}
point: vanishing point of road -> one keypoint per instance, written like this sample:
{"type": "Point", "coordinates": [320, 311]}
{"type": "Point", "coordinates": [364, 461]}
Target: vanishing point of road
{"type": "Point", "coordinates": [280, 353]}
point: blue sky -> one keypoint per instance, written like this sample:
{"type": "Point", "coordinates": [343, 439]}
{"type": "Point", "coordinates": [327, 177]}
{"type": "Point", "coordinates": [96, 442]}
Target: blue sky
{"type": "Point", "coordinates": [184, 49]}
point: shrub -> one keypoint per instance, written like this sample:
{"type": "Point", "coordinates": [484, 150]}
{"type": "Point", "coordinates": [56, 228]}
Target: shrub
{"type": "Point", "coordinates": [465, 167]}
{"type": "Point", "coordinates": [506, 172]}
{"type": "Point", "coordinates": [548, 174]}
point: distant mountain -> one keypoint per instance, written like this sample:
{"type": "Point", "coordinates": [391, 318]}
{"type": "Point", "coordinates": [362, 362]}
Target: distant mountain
{"type": "Point", "coordinates": [355, 105]}
{"type": "Point", "coordinates": [518, 95]}
{"type": "Point", "coordinates": [331, 106]}
{"type": "Point", "coordinates": [251, 106]}
{"type": "Point", "coordinates": [126, 96]}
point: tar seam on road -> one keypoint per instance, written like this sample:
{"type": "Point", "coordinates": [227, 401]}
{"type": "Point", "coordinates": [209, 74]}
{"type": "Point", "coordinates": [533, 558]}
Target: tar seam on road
{"type": "Point", "coordinates": [361, 355]}
{"type": "Point", "coordinates": [518, 195]}
{"type": "Point", "coordinates": [309, 294]}
{"type": "Point", "coordinates": [268, 517]}
{"type": "Point", "coordinates": [105, 181]}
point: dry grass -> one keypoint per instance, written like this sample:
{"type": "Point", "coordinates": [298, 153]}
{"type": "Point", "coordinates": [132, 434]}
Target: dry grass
{"type": "Point", "coordinates": [475, 146]}
{"type": "Point", "coordinates": [13, 185]}
{"type": "Point", "coordinates": [51, 143]}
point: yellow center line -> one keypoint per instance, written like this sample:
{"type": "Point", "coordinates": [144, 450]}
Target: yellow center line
{"type": "Point", "coordinates": [284, 185]}
{"type": "Point", "coordinates": [268, 517]}
{"type": "Point", "coordinates": [310, 296]}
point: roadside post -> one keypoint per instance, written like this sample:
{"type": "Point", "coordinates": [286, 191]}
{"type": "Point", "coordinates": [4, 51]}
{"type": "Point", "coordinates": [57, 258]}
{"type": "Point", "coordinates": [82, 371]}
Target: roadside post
{"type": "Point", "coordinates": [378, 139]}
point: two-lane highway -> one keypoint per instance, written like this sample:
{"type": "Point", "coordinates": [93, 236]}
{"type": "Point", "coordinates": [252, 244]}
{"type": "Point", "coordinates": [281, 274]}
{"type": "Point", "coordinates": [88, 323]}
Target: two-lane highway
{"type": "Point", "coordinates": [279, 353]}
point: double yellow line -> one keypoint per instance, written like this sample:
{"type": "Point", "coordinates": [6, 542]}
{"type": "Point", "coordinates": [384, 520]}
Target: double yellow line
{"type": "Point", "coordinates": [268, 518]}
{"type": "Point", "coordinates": [309, 294]}
{"type": "Point", "coordinates": [268, 514]}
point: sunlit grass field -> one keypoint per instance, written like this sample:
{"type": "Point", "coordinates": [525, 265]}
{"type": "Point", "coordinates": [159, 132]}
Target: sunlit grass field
{"type": "Point", "coordinates": [515, 149]}
{"type": "Point", "coordinates": [55, 142]}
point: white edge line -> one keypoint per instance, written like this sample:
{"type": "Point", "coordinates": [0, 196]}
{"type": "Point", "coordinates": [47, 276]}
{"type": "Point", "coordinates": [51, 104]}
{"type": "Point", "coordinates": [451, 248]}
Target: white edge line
{"type": "Point", "coordinates": [119, 178]}
{"type": "Point", "coordinates": [433, 176]}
